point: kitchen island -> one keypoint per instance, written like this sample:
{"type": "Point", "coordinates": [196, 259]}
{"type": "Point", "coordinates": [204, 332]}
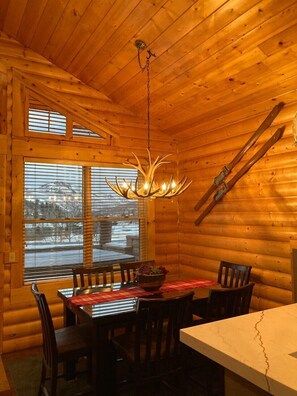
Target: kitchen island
{"type": "Point", "coordinates": [258, 350]}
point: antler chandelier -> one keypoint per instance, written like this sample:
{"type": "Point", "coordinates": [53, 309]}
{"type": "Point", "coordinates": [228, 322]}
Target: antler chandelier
{"type": "Point", "coordinates": [145, 185]}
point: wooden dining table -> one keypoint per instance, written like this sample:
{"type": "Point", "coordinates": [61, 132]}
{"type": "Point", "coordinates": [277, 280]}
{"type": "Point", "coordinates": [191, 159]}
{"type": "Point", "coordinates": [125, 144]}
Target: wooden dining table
{"type": "Point", "coordinates": [111, 307]}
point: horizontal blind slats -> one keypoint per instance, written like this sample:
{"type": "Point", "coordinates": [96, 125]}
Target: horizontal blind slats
{"type": "Point", "coordinates": [55, 192]}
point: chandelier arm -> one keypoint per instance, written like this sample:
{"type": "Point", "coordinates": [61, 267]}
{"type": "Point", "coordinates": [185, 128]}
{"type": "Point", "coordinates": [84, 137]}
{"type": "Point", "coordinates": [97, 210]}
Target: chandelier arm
{"type": "Point", "coordinates": [116, 189]}
{"type": "Point", "coordinates": [124, 191]}
{"type": "Point", "coordinates": [170, 190]}
{"type": "Point", "coordinates": [156, 164]}
{"type": "Point", "coordinates": [180, 189]}
{"type": "Point", "coordinates": [151, 186]}
{"type": "Point", "coordinates": [138, 167]}
{"type": "Point", "coordinates": [129, 185]}
{"type": "Point", "coordinates": [168, 187]}
{"type": "Point", "coordinates": [152, 170]}
{"type": "Point", "coordinates": [135, 192]}
{"type": "Point", "coordinates": [160, 159]}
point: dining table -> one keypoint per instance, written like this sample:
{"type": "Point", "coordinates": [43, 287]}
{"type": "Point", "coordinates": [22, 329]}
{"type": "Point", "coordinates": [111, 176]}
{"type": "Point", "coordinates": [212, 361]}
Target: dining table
{"type": "Point", "coordinates": [111, 307]}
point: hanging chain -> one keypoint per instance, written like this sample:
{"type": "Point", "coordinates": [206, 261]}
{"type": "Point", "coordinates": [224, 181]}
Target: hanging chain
{"type": "Point", "coordinates": [147, 68]}
{"type": "Point", "coordinates": [148, 103]}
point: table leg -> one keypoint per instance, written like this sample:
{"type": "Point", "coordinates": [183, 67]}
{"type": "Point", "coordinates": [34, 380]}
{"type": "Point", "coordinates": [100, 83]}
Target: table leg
{"type": "Point", "coordinates": [69, 367]}
{"type": "Point", "coordinates": [103, 362]}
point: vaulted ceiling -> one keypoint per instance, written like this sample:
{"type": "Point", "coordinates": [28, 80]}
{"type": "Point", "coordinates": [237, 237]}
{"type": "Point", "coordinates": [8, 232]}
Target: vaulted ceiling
{"type": "Point", "coordinates": [213, 57]}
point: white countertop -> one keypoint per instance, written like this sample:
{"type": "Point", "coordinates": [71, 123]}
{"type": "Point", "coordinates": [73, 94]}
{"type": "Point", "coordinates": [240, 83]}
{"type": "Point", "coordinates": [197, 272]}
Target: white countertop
{"type": "Point", "coordinates": [257, 346]}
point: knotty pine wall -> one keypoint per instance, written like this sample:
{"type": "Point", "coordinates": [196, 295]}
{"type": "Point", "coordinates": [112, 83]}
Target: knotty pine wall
{"type": "Point", "coordinates": [256, 222]}
{"type": "Point", "coordinates": [19, 326]}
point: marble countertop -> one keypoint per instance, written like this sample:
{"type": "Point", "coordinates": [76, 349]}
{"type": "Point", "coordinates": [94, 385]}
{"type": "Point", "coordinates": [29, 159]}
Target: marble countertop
{"type": "Point", "coordinates": [260, 347]}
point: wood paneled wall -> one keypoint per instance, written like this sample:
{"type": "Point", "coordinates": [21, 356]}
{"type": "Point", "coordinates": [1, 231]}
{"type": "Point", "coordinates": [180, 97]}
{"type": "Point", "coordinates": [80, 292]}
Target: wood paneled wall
{"type": "Point", "coordinates": [255, 221]}
{"type": "Point", "coordinates": [20, 326]}
{"type": "Point", "coordinates": [253, 224]}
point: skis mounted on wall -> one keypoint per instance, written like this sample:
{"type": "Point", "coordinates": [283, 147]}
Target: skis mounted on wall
{"type": "Point", "coordinates": [227, 186]}
{"type": "Point", "coordinates": [227, 168]}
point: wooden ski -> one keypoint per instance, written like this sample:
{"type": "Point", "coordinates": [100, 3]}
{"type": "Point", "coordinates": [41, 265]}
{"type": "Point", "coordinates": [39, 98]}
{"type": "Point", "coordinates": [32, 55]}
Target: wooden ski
{"type": "Point", "coordinates": [227, 186]}
{"type": "Point", "coordinates": [227, 168]}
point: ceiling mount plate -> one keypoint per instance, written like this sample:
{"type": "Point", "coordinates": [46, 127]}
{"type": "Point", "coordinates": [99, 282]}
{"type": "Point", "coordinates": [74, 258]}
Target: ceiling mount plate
{"type": "Point", "coordinates": [140, 44]}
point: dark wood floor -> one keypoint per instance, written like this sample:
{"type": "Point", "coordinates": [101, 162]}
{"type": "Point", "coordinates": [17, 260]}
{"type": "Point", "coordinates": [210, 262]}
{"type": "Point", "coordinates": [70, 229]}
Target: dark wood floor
{"type": "Point", "coordinates": [9, 357]}
{"type": "Point", "coordinates": [193, 388]}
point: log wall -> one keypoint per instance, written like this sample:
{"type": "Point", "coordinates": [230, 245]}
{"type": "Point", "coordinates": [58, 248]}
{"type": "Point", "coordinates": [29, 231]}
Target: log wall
{"type": "Point", "coordinates": [255, 222]}
{"type": "Point", "coordinates": [21, 68]}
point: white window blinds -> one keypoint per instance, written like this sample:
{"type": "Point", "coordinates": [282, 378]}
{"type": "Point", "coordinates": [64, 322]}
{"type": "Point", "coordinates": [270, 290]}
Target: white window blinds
{"type": "Point", "coordinates": [72, 218]}
{"type": "Point", "coordinates": [44, 120]}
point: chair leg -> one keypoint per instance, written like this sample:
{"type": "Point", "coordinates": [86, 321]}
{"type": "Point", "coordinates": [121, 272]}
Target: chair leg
{"type": "Point", "coordinates": [54, 380]}
{"type": "Point", "coordinates": [42, 380]}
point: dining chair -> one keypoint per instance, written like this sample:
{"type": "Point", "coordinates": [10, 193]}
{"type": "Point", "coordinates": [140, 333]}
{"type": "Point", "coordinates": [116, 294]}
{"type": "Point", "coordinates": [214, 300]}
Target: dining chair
{"type": "Point", "coordinates": [233, 275]}
{"type": "Point", "coordinates": [152, 350]}
{"type": "Point", "coordinates": [92, 276]}
{"type": "Point", "coordinates": [61, 345]}
{"type": "Point", "coordinates": [128, 270]}
{"type": "Point", "coordinates": [222, 303]}
{"type": "Point", "coordinates": [228, 302]}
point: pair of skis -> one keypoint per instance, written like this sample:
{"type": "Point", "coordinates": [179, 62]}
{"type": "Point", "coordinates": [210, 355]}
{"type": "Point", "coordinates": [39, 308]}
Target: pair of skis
{"type": "Point", "coordinates": [227, 168]}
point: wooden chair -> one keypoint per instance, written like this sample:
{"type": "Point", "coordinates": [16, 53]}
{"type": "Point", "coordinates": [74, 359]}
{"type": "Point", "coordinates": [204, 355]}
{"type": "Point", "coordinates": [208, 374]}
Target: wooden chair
{"type": "Point", "coordinates": [61, 345]}
{"type": "Point", "coordinates": [222, 304]}
{"type": "Point", "coordinates": [153, 351]}
{"type": "Point", "coordinates": [233, 275]}
{"type": "Point", "coordinates": [93, 276]}
{"type": "Point", "coordinates": [128, 270]}
{"type": "Point", "coordinates": [228, 302]}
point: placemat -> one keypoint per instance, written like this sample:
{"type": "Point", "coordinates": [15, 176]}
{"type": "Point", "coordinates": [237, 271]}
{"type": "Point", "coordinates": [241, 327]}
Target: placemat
{"type": "Point", "coordinates": [137, 291]}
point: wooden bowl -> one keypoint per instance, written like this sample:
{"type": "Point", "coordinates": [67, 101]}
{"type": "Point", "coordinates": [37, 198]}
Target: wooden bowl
{"type": "Point", "coordinates": [151, 282]}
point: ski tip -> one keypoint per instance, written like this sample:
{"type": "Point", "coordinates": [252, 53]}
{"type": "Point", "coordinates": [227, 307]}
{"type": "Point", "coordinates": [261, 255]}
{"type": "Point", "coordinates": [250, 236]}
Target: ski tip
{"type": "Point", "coordinates": [278, 134]}
{"type": "Point", "coordinates": [198, 221]}
{"type": "Point", "coordinates": [277, 108]}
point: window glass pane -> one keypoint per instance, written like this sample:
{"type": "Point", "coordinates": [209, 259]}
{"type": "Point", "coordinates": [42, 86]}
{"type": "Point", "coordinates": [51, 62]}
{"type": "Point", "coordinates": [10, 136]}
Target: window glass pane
{"type": "Point", "coordinates": [60, 234]}
{"type": "Point", "coordinates": [52, 191]}
{"type": "Point", "coordinates": [116, 239]}
{"type": "Point", "coordinates": [79, 130]}
{"type": "Point", "coordinates": [47, 121]}
{"type": "Point", "coordinates": [43, 119]}
{"type": "Point", "coordinates": [52, 249]}
{"type": "Point", "coordinates": [105, 202]}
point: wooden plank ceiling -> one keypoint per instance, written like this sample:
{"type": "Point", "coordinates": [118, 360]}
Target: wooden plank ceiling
{"type": "Point", "coordinates": [213, 57]}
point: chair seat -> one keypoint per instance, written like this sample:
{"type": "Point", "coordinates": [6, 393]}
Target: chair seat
{"type": "Point", "coordinates": [72, 341]}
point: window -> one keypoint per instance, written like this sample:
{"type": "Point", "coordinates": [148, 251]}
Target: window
{"type": "Point", "coordinates": [72, 218]}
{"type": "Point", "coordinates": [44, 120]}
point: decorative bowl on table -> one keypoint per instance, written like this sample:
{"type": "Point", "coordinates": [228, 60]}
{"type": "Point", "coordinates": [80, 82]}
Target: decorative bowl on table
{"type": "Point", "coordinates": [151, 277]}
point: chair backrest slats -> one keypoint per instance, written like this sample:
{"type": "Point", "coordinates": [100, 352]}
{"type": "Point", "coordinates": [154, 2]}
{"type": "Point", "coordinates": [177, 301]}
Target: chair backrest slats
{"type": "Point", "coordinates": [229, 302]}
{"type": "Point", "coordinates": [233, 275]}
{"type": "Point", "coordinates": [92, 276]}
{"type": "Point", "coordinates": [158, 322]}
{"type": "Point", "coordinates": [128, 270]}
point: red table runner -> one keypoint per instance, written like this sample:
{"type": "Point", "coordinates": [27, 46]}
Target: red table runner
{"type": "Point", "coordinates": [136, 291]}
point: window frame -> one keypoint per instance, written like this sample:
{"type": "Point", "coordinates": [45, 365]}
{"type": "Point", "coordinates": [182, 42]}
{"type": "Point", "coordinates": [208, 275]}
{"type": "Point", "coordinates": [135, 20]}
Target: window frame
{"type": "Point", "coordinates": [87, 216]}
{"type": "Point", "coordinates": [70, 120]}
{"type": "Point", "coordinates": [39, 148]}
